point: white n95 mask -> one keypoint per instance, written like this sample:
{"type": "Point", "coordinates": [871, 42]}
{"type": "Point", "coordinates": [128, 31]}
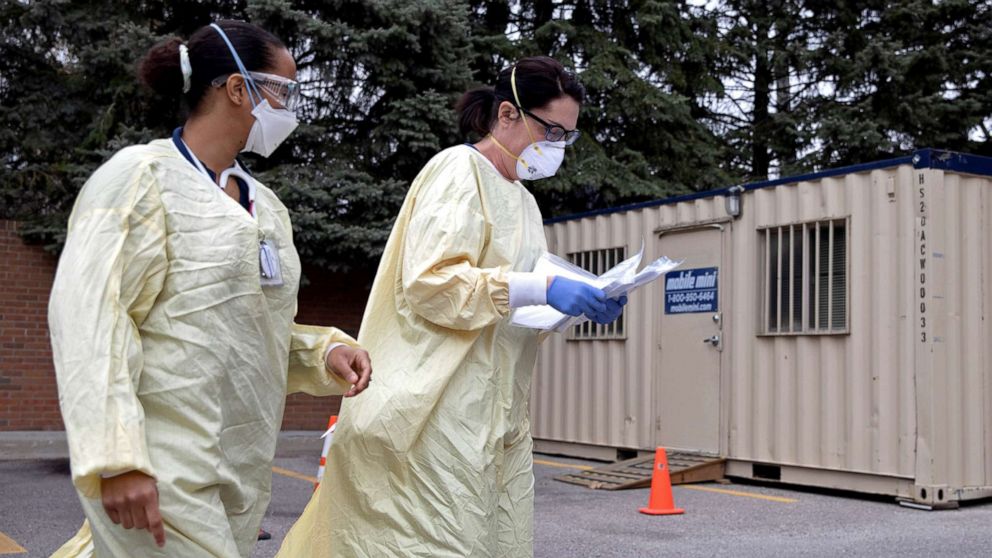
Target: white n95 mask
{"type": "Point", "coordinates": [540, 159]}
{"type": "Point", "coordinates": [271, 127]}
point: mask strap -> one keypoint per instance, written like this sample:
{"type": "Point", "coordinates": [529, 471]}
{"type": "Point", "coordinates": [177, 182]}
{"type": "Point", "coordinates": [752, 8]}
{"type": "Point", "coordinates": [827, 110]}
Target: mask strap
{"type": "Point", "coordinates": [520, 108]}
{"type": "Point", "coordinates": [252, 88]}
{"type": "Point", "coordinates": [505, 150]}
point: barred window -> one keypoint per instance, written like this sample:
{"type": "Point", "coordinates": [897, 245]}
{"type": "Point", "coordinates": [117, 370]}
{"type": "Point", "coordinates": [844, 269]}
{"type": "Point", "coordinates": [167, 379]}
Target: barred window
{"type": "Point", "coordinates": [805, 278]}
{"type": "Point", "coordinates": [599, 262]}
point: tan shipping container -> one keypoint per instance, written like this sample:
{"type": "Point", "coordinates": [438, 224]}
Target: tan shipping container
{"type": "Point", "coordinates": [832, 334]}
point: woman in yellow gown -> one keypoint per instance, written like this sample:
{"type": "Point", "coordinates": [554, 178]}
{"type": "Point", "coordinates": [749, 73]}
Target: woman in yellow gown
{"type": "Point", "coordinates": [436, 461]}
{"type": "Point", "coordinates": [172, 312]}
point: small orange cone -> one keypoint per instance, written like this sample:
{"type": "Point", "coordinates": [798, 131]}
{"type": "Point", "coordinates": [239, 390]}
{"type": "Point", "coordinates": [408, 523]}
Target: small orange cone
{"type": "Point", "coordinates": [661, 501]}
{"type": "Point", "coordinates": [331, 423]}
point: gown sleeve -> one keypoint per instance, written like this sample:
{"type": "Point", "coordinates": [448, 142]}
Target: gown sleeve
{"type": "Point", "coordinates": [307, 372]}
{"type": "Point", "coordinates": [111, 271]}
{"type": "Point", "coordinates": [444, 242]}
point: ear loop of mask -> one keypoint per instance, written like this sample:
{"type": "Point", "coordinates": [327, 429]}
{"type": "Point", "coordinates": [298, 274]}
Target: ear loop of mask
{"type": "Point", "coordinates": [251, 87]}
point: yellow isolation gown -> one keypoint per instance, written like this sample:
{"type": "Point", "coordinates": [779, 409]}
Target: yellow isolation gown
{"type": "Point", "coordinates": [436, 460]}
{"type": "Point", "coordinates": [171, 357]}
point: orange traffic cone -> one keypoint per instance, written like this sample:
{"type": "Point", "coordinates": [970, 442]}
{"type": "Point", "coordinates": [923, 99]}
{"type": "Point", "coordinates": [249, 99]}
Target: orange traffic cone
{"type": "Point", "coordinates": [661, 501]}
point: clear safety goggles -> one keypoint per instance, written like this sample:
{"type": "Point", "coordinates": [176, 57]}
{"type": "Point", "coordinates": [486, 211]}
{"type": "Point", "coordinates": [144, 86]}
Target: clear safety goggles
{"type": "Point", "coordinates": [283, 91]}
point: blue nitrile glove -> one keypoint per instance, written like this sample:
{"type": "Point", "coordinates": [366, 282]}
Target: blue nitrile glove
{"type": "Point", "coordinates": [614, 307]}
{"type": "Point", "coordinates": [576, 298]}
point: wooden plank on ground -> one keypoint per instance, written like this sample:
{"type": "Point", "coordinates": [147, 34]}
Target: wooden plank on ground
{"type": "Point", "coordinates": [684, 468]}
{"type": "Point", "coordinates": [9, 546]}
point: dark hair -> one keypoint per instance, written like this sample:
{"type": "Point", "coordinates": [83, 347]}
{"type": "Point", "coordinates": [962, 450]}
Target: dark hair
{"type": "Point", "coordinates": [540, 80]}
{"type": "Point", "coordinates": [209, 57]}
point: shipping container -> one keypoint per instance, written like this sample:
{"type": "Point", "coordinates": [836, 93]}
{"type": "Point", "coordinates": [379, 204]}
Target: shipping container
{"type": "Point", "coordinates": [826, 330]}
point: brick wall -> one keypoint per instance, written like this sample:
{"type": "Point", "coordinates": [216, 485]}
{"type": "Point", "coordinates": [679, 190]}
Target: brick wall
{"type": "Point", "coordinates": [28, 397]}
{"type": "Point", "coordinates": [329, 300]}
{"type": "Point", "coordinates": [28, 394]}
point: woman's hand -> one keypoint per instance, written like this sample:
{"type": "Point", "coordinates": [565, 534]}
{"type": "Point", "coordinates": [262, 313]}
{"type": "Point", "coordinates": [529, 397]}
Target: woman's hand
{"type": "Point", "coordinates": [575, 298]}
{"type": "Point", "coordinates": [131, 501]}
{"type": "Point", "coordinates": [353, 366]}
{"type": "Point", "coordinates": [614, 307]}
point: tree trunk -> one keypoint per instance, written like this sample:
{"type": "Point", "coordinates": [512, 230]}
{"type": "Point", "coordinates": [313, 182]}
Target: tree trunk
{"type": "Point", "coordinates": [760, 120]}
{"type": "Point", "coordinates": [786, 146]}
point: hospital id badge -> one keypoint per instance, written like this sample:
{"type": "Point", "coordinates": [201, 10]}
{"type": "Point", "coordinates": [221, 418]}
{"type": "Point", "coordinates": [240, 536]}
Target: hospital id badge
{"type": "Point", "coordinates": [269, 266]}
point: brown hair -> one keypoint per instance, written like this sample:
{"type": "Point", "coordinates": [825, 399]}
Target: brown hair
{"type": "Point", "coordinates": [210, 58]}
{"type": "Point", "coordinates": [540, 80]}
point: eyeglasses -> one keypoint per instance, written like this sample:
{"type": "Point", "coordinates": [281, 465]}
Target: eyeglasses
{"type": "Point", "coordinates": [285, 91]}
{"type": "Point", "coordinates": [554, 132]}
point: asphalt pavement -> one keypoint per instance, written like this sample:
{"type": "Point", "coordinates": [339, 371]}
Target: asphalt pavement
{"type": "Point", "coordinates": [39, 511]}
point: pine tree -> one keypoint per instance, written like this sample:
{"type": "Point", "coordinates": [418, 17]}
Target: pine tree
{"type": "Point", "coordinates": [902, 75]}
{"type": "Point", "coordinates": [380, 82]}
{"type": "Point", "coordinates": [640, 139]}
{"type": "Point", "coordinates": [682, 97]}
{"type": "Point", "coordinates": [761, 62]}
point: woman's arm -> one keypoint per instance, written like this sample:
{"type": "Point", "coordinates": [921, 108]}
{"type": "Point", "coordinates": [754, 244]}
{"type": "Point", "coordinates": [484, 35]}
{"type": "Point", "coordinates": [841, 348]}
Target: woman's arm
{"type": "Point", "coordinates": [110, 273]}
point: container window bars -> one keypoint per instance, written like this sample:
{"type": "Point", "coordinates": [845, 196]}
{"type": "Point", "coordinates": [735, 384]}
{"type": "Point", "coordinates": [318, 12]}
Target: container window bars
{"type": "Point", "coordinates": [599, 262]}
{"type": "Point", "coordinates": [805, 270]}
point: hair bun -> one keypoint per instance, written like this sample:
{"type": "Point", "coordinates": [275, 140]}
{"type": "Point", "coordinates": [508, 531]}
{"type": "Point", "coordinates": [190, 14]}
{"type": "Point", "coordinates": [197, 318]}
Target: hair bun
{"type": "Point", "coordinates": [476, 110]}
{"type": "Point", "coordinates": [160, 68]}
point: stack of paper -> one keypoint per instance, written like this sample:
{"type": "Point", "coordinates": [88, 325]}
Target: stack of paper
{"type": "Point", "coordinates": [618, 281]}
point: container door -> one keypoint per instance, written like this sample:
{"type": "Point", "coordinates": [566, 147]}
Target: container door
{"type": "Point", "coordinates": [691, 341]}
